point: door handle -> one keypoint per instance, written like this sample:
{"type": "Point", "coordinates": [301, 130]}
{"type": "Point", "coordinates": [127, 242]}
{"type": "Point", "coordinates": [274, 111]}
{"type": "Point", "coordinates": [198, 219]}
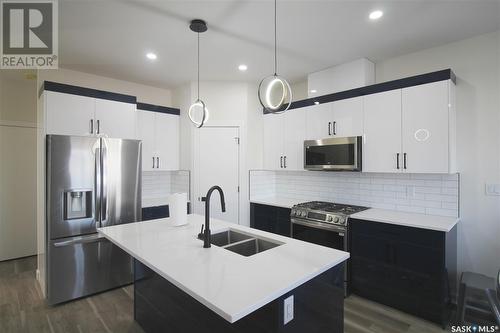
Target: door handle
{"type": "Point", "coordinates": [404, 160]}
{"type": "Point", "coordinates": [334, 128]}
{"type": "Point", "coordinates": [91, 126]}
{"type": "Point", "coordinates": [397, 161]}
{"type": "Point", "coordinates": [284, 162]}
{"type": "Point", "coordinates": [281, 162]}
{"type": "Point", "coordinates": [81, 240]}
{"type": "Point", "coordinates": [329, 128]}
{"type": "Point", "coordinates": [104, 186]}
{"type": "Point", "coordinates": [97, 186]}
{"type": "Point", "coordinates": [98, 126]}
{"type": "Point", "coordinates": [153, 162]}
{"type": "Point", "coordinates": [157, 162]}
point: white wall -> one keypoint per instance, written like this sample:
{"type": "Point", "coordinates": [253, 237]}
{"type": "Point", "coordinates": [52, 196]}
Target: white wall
{"type": "Point", "coordinates": [230, 104]}
{"type": "Point", "coordinates": [475, 61]}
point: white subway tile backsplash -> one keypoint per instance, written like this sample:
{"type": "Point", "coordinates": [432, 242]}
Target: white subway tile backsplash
{"type": "Point", "coordinates": [421, 193]}
{"type": "Point", "coordinates": [158, 184]}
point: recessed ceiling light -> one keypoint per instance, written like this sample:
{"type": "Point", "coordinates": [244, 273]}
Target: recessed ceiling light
{"type": "Point", "coordinates": [376, 14]}
{"type": "Point", "coordinates": [242, 67]}
{"type": "Point", "coordinates": [151, 56]}
{"type": "Point", "coordinates": [313, 91]}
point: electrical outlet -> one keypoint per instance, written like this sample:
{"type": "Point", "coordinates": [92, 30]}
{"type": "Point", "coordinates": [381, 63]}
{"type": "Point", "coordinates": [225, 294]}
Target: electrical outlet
{"type": "Point", "coordinates": [492, 189]}
{"type": "Point", "coordinates": [288, 310]}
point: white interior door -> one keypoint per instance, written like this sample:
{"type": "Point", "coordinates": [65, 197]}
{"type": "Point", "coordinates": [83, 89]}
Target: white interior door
{"type": "Point", "coordinates": [218, 164]}
{"type": "Point", "coordinates": [382, 132]}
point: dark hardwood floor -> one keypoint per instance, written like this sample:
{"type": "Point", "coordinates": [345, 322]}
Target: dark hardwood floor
{"type": "Point", "coordinates": [22, 309]}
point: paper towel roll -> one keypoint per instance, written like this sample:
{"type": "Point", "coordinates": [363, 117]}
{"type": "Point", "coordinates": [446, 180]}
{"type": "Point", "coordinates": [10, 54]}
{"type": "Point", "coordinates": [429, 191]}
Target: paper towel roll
{"type": "Point", "coordinates": [177, 206]}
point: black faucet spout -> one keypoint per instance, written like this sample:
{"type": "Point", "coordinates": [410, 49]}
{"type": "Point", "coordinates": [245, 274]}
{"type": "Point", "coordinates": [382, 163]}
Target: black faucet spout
{"type": "Point", "coordinates": [207, 235]}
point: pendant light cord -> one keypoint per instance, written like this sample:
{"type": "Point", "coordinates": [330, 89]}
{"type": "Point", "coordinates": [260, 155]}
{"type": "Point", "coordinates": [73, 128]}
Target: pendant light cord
{"type": "Point", "coordinates": [275, 42]}
{"type": "Point", "coordinates": [198, 65]}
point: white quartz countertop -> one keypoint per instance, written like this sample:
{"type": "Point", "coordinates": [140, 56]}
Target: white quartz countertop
{"type": "Point", "coordinates": [276, 201]}
{"type": "Point", "coordinates": [230, 284]}
{"type": "Point", "coordinates": [432, 222]}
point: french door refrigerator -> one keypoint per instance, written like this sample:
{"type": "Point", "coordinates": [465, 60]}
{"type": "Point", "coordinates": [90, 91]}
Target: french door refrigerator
{"type": "Point", "coordinates": [91, 183]}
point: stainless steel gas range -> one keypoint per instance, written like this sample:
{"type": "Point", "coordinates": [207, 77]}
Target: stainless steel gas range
{"type": "Point", "coordinates": [324, 223]}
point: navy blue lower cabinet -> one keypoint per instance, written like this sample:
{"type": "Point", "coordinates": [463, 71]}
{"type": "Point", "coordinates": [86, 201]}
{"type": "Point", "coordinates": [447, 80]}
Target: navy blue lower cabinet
{"type": "Point", "coordinates": [158, 212]}
{"type": "Point", "coordinates": [160, 306]}
{"type": "Point", "coordinates": [410, 269]}
{"type": "Point", "coordinates": [270, 218]}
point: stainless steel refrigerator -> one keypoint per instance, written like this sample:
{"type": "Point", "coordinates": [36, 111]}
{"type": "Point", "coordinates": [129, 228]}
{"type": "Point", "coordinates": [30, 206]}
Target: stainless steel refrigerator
{"type": "Point", "coordinates": [91, 183]}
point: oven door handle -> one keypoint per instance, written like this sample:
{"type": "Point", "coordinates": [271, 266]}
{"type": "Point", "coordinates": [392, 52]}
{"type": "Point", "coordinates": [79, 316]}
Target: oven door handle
{"type": "Point", "coordinates": [320, 225]}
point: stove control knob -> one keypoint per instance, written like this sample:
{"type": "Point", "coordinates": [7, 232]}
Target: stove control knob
{"type": "Point", "coordinates": [293, 213]}
{"type": "Point", "coordinates": [304, 213]}
{"type": "Point", "coordinates": [335, 219]}
{"type": "Point", "coordinates": [329, 219]}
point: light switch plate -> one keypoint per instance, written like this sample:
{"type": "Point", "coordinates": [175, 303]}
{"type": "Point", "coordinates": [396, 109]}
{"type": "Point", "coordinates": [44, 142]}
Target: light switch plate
{"type": "Point", "coordinates": [492, 189]}
{"type": "Point", "coordinates": [288, 310]}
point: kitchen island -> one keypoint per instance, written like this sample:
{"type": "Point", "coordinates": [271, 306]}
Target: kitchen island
{"type": "Point", "coordinates": [179, 286]}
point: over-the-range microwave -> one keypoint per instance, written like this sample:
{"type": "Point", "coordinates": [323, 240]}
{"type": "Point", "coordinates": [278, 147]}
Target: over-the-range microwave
{"type": "Point", "coordinates": [334, 154]}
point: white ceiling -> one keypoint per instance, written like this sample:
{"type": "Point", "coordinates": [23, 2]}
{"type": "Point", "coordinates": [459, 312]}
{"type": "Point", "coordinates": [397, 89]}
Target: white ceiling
{"type": "Point", "coordinates": [110, 38]}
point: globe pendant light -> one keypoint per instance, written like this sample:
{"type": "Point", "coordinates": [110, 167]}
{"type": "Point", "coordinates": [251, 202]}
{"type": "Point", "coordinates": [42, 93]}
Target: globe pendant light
{"type": "Point", "coordinates": [275, 94]}
{"type": "Point", "coordinates": [198, 112]}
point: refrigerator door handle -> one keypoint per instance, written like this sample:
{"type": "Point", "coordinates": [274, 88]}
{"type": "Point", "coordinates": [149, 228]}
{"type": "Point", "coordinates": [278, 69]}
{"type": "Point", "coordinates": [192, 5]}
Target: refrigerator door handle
{"type": "Point", "coordinates": [81, 240]}
{"type": "Point", "coordinates": [97, 187]}
{"type": "Point", "coordinates": [104, 187]}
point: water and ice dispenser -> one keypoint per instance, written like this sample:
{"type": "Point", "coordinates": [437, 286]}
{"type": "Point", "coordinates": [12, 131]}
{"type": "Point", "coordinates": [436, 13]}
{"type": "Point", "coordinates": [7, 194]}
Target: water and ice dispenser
{"type": "Point", "coordinates": [77, 204]}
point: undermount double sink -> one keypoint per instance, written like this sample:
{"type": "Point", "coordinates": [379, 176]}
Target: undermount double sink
{"type": "Point", "coordinates": [242, 243]}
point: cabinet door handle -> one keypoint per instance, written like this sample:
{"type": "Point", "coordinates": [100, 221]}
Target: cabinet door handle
{"type": "Point", "coordinates": [157, 162]}
{"type": "Point", "coordinates": [98, 126]}
{"type": "Point", "coordinates": [404, 160]}
{"type": "Point", "coordinates": [284, 162]}
{"type": "Point", "coordinates": [153, 162]}
{"type": "Point", "coordinates": [334, 128]}
{"type": "Point", "coordinates": [329, 128]}
{"type": "Point", "coordinates": [397, 161]}
{"type": "Point", "coordinates": [281, 162]}
{"type": "Point", "coordinates": [91, 126]}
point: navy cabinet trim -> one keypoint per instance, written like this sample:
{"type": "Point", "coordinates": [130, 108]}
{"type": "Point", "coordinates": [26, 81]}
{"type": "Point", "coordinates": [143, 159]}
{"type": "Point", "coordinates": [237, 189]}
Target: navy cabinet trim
{"type": "Point", "coordinates": [88, 92]}
{"type": "Point", "coordinates": [158, 108]}
{"type": "Point", "coordinates": [445, 74]}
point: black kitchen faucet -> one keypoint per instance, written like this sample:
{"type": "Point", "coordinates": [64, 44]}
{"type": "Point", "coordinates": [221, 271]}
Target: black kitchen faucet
{"type": "Point", "coordinates": [206, 234]}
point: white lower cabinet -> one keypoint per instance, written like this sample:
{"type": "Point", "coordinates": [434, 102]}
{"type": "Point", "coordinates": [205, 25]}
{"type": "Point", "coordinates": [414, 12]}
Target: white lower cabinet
{"type": "Point", "coordinates": [159, 133]}
{"type": "Point", "coordinates": [284, 136]}
{"type": "Point", "coordinates": [410, 130]}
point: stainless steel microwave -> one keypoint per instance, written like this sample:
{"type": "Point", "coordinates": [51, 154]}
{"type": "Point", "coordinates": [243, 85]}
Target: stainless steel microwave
{"type": "Point", "coordinates": [335, 154]}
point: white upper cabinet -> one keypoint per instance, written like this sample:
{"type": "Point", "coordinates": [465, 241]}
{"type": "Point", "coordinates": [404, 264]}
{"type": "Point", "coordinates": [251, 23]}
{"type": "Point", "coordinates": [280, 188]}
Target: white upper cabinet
{"type": "Point", "coordinates": [293, 139]}
{"type": "Point", "coordinates": [425, 124]}
{"type": "Point", "coordinates": [167, 141]}
{"type": "Point", "coordinates": [336, 119]}
{"type": "Point", "coordinates": [115, 119]}
{"type": "Point", "coordinates": [347, 117]}
{"type": "Point", "coordinates": [68, 114]}
{"type": "Point", "coordinates": [159, 133]}
{"type": "Point", "coordinates": [319, 121]}
{"type": "Point", "coordinates": [273, 141]}
{"type": "Point", "coordinates": [382, 132]}
{"type": "Point", "coordinates": [146, 133]}
{"type": "Point", "coordinates": [410, 130]}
